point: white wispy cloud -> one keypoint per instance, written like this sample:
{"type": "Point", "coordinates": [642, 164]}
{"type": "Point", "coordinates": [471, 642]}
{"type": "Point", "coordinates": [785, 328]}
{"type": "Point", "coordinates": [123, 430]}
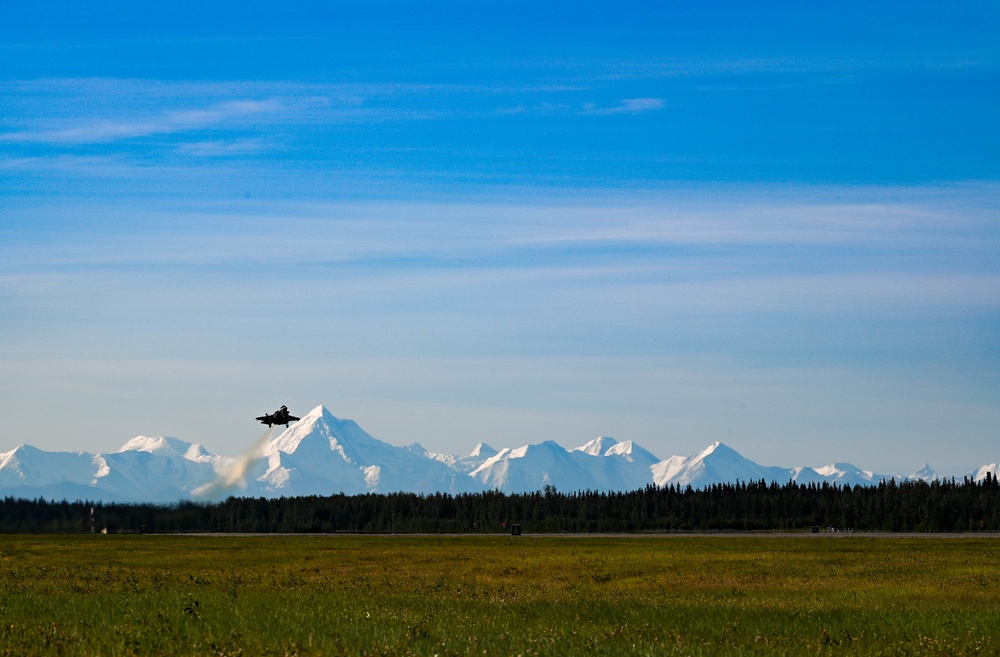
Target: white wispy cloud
{"type": "Point", "coordinates": [89, 131]}
{"type": "Point", "coordinates": [626, 106]}
{"type": "Point", "coordinates": [222, 148]}
{"type": "Point", "coordinates": [695, 256]}
{"type": "Point", "coordinates": [81, 111]}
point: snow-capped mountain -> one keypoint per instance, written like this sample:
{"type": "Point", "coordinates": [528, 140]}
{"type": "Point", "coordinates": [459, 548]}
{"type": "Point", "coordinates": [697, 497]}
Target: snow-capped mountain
{"type": "Point", "coordinates": [155, 469]}
{"type": "Point", "coordinates": [603, 464]}
{"type": "Point", "coordinates": [532, 467]}
{"type": "Point", "coordinates": [980, 474]}
{"type": "Point", "coordinates": [146, 469]}
{"type": "Point", "coordinates": [597, 447]}
{"type": "Point", "coordinates": [27, 466]}
{"type": "Point", "coordinates": [925, 473]}
{"type": "Point", "coordinates": [28, 472]}
{"type": "Point", "coordinates": [466, 464]}
{"type": "Point", "coordinates": [715, 464]}
{"type": "Point", "coordinates": [617, 465]}
{"type": "Point", "coordinates": [719, 463]}
{"type": "Point", "coordinates": [323, 455]}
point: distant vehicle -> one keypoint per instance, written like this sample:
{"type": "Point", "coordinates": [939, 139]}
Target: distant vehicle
{"type": "Point", "coordinates": [280, 416]}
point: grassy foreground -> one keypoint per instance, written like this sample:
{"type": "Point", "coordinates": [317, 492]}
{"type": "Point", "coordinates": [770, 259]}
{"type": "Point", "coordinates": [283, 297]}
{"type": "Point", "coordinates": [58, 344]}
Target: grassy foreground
{"type": "Point", "coordinates": [475, 595]}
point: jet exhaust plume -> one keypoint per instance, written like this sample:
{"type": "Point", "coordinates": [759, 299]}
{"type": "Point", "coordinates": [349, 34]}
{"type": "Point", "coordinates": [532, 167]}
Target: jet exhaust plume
{"type": "Point", "coordinates": [234, 476]}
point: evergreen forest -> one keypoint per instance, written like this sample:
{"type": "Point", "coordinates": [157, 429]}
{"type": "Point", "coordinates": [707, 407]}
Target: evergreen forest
{"type": "Point", "coordinates": [890, 506]}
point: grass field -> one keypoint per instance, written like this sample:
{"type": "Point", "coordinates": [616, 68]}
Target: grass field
{"type": "Point", "coordinates": [475, 595]}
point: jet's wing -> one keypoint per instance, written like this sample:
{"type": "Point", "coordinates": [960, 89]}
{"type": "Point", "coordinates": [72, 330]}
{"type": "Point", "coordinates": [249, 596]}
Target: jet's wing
{"type": "Point", "coordinates": [292, 418]}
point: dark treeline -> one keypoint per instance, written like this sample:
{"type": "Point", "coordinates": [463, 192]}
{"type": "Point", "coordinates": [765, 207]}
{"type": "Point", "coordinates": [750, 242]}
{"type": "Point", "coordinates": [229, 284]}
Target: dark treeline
{"type": "Point", "coordinates": [942, 506]}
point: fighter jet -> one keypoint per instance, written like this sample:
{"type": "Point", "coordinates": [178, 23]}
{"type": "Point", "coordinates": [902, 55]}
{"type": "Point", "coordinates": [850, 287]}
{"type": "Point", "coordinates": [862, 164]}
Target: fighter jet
{"type": "Point", "coordinates": [280, 416]}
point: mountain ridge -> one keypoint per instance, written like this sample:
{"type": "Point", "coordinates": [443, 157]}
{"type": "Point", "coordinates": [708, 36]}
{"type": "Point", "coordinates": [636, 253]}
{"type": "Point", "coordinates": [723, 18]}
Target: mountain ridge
{"type": "Point", "coordinates": [322, 454]}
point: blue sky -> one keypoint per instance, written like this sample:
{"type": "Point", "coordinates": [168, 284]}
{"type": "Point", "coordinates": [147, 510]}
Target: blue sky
{"type": "Point", "coordinates": [771, 224]}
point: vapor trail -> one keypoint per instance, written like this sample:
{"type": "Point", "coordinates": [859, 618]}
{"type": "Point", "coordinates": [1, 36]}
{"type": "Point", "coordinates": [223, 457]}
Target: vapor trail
{"type": "Point", "coordinates": [233, 476]}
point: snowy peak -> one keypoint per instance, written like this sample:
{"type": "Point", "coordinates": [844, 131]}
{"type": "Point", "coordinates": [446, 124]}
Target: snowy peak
{"type": "Point", "coordinates": [483, 450]}
{"type": "Point", "coordinates": [632, 452]}
{"type": "Point", "coordinates": [531, 468]}
{"type": "Point", "coordinates": [993, 469]}
{"type": "Point", "coordinates": [602, 464]}
{"type": "Point", "coordinates": [925, 473]}
{"type": "Point", "coordinates": [29, 466]}
{"type": "Point", "coordinates": [316, 452]}
{"type": "Point", "coordinates": [718, 451]}
{"type": "Point", "coordinates": [166, 446]}
{"type": "Point", "coordinates": [724, 459]}
{"type": "Point", "coordinates": [717, 463]}
{"type": "Point", "coordinates": [319, 431]}
{"type": "Point", "coordinates": [597, 446]}
{"type": "Point", "coordinates": [606, 446]}
{"type": "Point", "coordinates": [721, 457]}
{"type": "Point", "coordinates": [323, 454]}
{"type": "Point", "coordinates": [844, 467]}
{"type": "Point", "coordinates": [14, 456]}
{"type": "Point", "coordinates": [466, 464]}
{"type": "Point", "coordinates": [670, 471]}
{"type": "Point", "coordinates": [850, 475]}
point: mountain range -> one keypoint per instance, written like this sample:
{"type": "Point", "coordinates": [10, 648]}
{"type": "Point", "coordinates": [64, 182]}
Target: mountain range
{"type": "Point", "coordinates": [324, 455]}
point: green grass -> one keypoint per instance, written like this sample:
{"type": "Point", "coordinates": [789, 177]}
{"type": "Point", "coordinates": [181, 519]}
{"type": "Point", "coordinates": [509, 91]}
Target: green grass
{"type": "Point", "coordinates": [474, 595]}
